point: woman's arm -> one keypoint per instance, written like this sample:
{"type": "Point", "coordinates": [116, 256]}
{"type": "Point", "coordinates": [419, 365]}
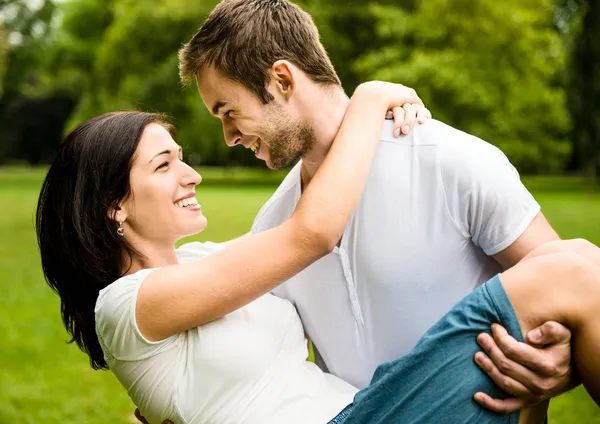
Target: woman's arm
{"type": "Point", "coordinates": [179, 297]}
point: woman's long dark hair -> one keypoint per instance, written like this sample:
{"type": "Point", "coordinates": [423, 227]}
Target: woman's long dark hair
{"type": "Point", "coordinates": [79, 245]}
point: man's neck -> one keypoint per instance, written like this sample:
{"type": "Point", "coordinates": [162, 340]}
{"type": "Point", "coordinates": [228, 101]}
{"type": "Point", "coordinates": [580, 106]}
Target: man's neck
{"type": "Point", "coordinates": [325, 115]}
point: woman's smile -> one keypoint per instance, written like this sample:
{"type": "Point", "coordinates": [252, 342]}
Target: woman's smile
{"type": "Point", "coordinates": [190, 203]}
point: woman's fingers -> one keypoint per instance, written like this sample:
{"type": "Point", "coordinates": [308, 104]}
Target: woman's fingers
{"type": "Point", "coordinates": [422, 113]}
{"type": "Point", "coordinates": [406, 116]}
{"type": "Point", "coordinates": [399, 115]}
{"type": "Point", "coordinates": [410, 117]}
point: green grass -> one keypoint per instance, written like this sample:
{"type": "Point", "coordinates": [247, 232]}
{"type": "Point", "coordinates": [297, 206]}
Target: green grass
{"type": "Point", "coordinates": [45, 380]}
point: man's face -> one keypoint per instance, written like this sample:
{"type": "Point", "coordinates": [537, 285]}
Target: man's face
{"type": "Point", "coordinates": [272, 131]}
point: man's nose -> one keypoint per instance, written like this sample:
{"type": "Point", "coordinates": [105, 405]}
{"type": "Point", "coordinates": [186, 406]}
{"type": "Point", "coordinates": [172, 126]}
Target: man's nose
{"type": "Point", "coordinates": [232, 136]}
{"type": "Point", "coordinates": [232, 141]}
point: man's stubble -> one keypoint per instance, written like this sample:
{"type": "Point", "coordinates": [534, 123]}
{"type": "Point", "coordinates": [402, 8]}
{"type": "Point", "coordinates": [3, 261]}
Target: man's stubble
{"type": "Point", "coordinates": [288, 139]}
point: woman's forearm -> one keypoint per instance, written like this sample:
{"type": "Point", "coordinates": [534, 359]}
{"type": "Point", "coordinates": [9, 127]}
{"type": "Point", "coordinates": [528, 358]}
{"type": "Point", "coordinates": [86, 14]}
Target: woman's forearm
{"type": "Point", "coordinates": [180, 297]}
{"type": "Point", "coordinates": [330, 199]}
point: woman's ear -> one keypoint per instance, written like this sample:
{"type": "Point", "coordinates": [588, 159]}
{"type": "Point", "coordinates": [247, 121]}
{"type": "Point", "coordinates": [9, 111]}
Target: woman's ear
{"type": "Point", "coordinates": [116, 213]}
{"type": "Point", "coordinates": [283, 78]}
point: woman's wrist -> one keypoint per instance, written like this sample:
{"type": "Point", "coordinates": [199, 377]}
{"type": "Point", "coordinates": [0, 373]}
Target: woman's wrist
{"type": "Point", "coordinates": [375, 93]}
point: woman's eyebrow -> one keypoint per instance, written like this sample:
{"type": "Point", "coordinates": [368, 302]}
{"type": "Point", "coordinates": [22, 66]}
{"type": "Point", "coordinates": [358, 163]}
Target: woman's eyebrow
{"type": "Point", "coordinates": [164, 152]}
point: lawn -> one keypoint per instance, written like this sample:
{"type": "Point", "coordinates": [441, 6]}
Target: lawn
{"type": "Point", "coordinates": [45, 380]}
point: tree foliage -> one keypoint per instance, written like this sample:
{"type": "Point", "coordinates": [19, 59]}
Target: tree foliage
{"type": "Point", "coordinates": [584, 89]}
{"type": "Point", "coordinates": [485, 67]}
{"type": "Point", "coordinates": [494, 69]}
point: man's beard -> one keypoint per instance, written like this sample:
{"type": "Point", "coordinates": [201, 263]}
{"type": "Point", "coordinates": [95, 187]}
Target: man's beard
{"type": "Point", "coordinates": [288, 140]}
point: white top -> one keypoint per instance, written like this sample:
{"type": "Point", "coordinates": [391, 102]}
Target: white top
{"type": "Point", "coordinates": [437, 202]}
{"type": "Point", "coordinates": [247, 367]}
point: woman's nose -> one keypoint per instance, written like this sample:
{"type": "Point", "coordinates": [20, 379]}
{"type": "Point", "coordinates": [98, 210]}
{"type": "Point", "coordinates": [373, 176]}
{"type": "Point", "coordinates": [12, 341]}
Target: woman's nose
{"type": "Point", "coordinates": [191, 177]}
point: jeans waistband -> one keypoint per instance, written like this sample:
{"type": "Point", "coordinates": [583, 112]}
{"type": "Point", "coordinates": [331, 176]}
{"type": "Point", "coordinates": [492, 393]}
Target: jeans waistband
{"type": "Point", "coordinates": [341, 417]}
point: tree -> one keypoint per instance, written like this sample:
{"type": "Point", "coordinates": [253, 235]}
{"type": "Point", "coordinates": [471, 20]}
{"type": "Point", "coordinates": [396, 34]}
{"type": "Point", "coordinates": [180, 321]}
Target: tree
{"type": "Point", "coordinates": [493, 69]}
{"type": "Point", "coordinates": [3, 54]}
{"type": "Point", "coordinates": [489, 68]}
{"type": "Point", "coordinates": [132, 64]}
{"type": "Point", "coordinates": [584, 90]}
{"type": "Point", "coordinates": [26, 27]}
{"type": "Point", "coordinates": [27, 37]}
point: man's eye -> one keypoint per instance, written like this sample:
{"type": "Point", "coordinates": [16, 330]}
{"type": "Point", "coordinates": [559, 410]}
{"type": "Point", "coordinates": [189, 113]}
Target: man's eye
{"type": "Point", "coordinates": [162, 165]}
{"type": "Point", "coordinates": [228, 114]}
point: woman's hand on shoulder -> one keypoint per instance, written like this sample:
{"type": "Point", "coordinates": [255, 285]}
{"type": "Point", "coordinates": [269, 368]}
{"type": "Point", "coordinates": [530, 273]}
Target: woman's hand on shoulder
{"type": "Point", "coordinates": [403, 103]}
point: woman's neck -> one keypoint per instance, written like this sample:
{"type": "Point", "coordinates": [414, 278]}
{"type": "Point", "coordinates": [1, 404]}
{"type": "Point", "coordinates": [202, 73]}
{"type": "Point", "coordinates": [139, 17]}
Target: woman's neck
{"type": "Point", "coordinates": [151, 255]}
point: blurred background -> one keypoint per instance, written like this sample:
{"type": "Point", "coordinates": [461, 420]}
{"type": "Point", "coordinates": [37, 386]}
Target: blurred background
{"type": "Point", "coordinates": [521, 74]}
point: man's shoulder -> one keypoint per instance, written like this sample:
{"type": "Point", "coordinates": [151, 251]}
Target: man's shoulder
{"type": "Point", "coordinates": [436, 147]}
{"type": "Point", "coordinates": [430, 133]}
{"type": "Point", "coordinates": [454, 147]}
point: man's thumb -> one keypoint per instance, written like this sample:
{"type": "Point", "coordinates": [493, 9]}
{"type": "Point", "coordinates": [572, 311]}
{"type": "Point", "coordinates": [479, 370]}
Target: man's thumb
{"type": "Point", "coordinates": [549, 333]}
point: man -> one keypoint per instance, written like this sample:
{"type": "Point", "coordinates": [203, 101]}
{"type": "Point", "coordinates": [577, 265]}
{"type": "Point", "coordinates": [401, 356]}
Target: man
{"type": "Point", "coordinates": [443, 211]}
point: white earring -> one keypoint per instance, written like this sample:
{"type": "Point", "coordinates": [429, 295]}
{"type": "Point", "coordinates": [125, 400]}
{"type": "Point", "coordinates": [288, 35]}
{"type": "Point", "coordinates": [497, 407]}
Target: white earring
{"type": "Point", "coordinates": [120, 229]}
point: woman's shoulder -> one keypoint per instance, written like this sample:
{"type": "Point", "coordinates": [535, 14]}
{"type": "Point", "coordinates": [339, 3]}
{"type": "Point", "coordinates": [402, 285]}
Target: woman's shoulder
{"type": "Point", "coordinates": [127, 286]}
{"type": "Point", "coordinates": [116, 298]}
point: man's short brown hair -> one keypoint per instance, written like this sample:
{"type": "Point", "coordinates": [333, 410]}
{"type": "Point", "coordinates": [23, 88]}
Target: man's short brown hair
{"type": "Point", "coordinates": [243, 38]}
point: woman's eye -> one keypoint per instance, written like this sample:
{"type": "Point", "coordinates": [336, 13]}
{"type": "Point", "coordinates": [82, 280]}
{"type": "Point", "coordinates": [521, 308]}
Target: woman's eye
{"type": "Point", "coordinates": [162, 165]}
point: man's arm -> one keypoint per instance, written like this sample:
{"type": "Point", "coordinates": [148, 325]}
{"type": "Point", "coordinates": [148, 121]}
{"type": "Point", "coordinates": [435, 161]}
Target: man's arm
{"type": "Point", "coordinates": [536, 234]}
{"type": "Point", "coordinates": [490, 205]}
{"type": "Point", "coordinates": [531, 372]}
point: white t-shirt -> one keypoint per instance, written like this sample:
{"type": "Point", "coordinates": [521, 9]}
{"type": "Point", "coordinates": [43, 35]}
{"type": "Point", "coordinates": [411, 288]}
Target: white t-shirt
{"type": "Point", "coordinates": [436, 204]}
{"type": "Point", "coordinates": [247, 367]}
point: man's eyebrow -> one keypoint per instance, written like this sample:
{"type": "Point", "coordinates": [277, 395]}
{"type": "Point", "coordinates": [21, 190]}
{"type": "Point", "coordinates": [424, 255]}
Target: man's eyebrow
{"type": "Point", "coordinates": [217, 107]}
{"type": "Point", "coordinates": [164, 152]}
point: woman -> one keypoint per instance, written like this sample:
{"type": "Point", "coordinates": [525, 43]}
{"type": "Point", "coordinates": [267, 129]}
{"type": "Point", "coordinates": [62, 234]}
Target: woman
{"type": "Point", "coordinates": [193, 334]}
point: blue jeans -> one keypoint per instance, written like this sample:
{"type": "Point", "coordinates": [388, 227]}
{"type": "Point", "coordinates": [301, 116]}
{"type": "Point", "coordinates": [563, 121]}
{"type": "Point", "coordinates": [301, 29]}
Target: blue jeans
{"type": "Point", "coordinates": [435, 382]}
{"type": "Point", "coordinates": [341, 417]}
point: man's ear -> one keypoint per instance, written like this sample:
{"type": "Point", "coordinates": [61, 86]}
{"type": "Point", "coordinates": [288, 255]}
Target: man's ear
{"type": "Point", "coordinates": [283, 78]}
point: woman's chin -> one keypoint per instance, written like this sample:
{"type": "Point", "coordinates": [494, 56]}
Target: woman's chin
{"type": "Point", "coordinates": [200, 224]}
{"type": "Point", "coordinates": [203, 223]}
{"type": "Point", "coordinates": [191, 229]}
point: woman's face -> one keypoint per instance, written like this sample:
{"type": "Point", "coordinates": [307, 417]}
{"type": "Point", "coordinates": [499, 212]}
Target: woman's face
{"type": "Point", "coordinates": [162, 205]}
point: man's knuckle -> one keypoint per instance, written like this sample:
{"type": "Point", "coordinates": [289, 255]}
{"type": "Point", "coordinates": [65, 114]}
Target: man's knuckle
{"type": "Point", "coordinates": [507, 384]}
{"type": "Point", "coordinates": [504, 365]}
{"type": "Point", "coordinates": [542, 387]}
{"type": "Point", "coordinates": [510, 351]}
{"type": "Point", "coordinates": [548, 387]}
{"type": "Point", "coordinates": [549, 368]}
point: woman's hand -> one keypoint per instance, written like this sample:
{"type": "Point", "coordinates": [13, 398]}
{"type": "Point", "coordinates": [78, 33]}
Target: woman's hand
{"type": "Point", "coordinates": [406, 115]}
{"type": "Point", "coordinates": [404, 105]}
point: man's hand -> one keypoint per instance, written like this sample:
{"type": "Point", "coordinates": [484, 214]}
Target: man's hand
{"type": "Point", "coordinates": [143, 420]}
{"type": "Point", "coordinates": [532, 371]}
